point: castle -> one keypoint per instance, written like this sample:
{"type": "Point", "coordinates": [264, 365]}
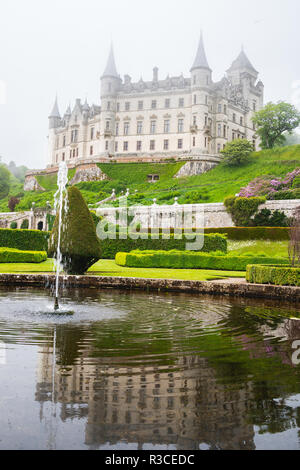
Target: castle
{"type": "Point", "coordinates": [176, 117]}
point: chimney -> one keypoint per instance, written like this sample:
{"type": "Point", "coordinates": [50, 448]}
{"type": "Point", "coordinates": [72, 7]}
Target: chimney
{"type": "Point", "coordinates": [155, 74]}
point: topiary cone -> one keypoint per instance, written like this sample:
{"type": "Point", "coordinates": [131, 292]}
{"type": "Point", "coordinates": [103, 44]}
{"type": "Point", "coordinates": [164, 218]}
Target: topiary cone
{"type": "Point", "coordinates": [80, 247]}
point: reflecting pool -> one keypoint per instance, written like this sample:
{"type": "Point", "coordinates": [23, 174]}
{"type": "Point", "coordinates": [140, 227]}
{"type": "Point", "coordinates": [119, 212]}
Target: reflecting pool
{"type": "Point", "coordinates": [133, 370]}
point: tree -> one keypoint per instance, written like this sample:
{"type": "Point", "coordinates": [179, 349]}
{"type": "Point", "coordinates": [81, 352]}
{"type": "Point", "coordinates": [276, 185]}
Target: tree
{"type": "Point", "coordinates": [237, 152]}
{"type": "Point", "coordinates": [12, 203]}
{"type": "Point", "coordinates": [273, 121]}
{"type": "Point", "coordinates": [4, 181]}
{"type": "Point", "coordinates": [80, 247]}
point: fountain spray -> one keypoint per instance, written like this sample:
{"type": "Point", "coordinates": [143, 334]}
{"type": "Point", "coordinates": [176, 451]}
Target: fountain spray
{"type": "Point", "coordinates": [62, 180]}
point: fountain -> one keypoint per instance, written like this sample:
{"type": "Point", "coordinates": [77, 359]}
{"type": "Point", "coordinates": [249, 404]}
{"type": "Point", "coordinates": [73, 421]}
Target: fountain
{"type": "Point", "coordinates": [60, 199]}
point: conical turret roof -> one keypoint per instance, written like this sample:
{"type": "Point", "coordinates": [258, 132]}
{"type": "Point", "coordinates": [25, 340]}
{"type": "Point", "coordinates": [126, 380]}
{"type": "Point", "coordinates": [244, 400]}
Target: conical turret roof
{"type": "Point", "coordinates": [111, 69]}
{"type": "Point", "coordinates": [242, 62]}
{"type": "Point", "coordinates": [55, 110]}
{"type": "Point", "coordinates": [201, 59]}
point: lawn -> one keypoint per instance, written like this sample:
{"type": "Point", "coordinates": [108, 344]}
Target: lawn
{"type": "Point", "coordinates": [257, 247]}
{"type": "Point", "coordinates": [109, 268]}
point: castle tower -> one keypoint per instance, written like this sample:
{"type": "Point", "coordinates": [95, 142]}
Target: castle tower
{"type": "Point", "coordinates": [110, 84]}
{"type": "Point", "coordinates": [54, 124]}
{"type": "Point", "coordinates": [201, 79]}
{"type": "Point", "coordinates": [240, 68]}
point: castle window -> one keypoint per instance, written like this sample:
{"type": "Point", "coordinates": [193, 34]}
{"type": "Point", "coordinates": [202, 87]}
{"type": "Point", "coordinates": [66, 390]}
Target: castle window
{"type": "Point", "coordinates": [139, 145]}
{"type": "Point", "coordinates": [225, 109]}
{"type": "Point", "coordinates": [118, 107]}
{"type": "Point", "coordinates": [127, 106]}
{"type": "Point", "coordinates": [219, 108]}
{"type": "Point", "coordinates": [205, 121]}
{"type": "Point", "coordinates": [125, 146]}
{"type": "Point", "coordinates": [117, 128]}
{"type": "Point", "coordinates": [152, 144]}
{"type": "Point", "coordinates": [152, 127]}
{"type": "Point", "coordinates": [70, 153]}
{"type": "Point", "coordinates": [126, 128]}
{"type": "Point", "coordinates": [92, 133]}
{"type": "Point", "coordinates": [181, 102]}
{"type": "Point", "coordinates": [180, 125]}
{"type": "Point", "coordinates": [219, 130]}
{"type": "Point", "coordinates": [166, 126]}
{"type": "Point", "coordinates": [167, 103]}
{"type": "Point", "coordinates": [254, 105]}
{"type": "Point", "coordinates": [77, 151]}
{"type": "Point", "coordinates": [241, 120]}
{"type": "Point", "coordinates": [206, 99]}
{"type": "Point", "coordinates": [194, 141]}
{"type": "Point", "coordinates": [234, 117]}
{"type": "Point", "coordinates": [74, 153]}
{"type": "Point", "coordinates": [179, 144]}
{"type": "Point", "coordinates": [116, 146]}
{"type": "Point", "coordinates": [74, 135]}
{"type": "Point", "coordinates": [153, 104]}
{"type": "Point", "coordinates": [108, 106]}
{"type": "Point", "coordinates": [91, 150]}
{"type": "Point", "coordinates": [140, 105]}
{"type": "Point", "coordinates": [63, 156]}
{"type": "Point", "coordinates": [139, 129]}
{"type": "Point", "coordinates": [166, 144]}
{"type": "Point", "coordinates": [224, 131]}
{"type": "Point", "coordinates": [205, 142]}
{"type": "Point", "coordinates": [233, 136]}
{"type": "Point", "coordinates": [64, 141]}
{"type": "Point", "coordinates": [107, 125]}
{"type": "Point", "coordinates": [194, 120]}
{"type": "Point", "coordinates": [106, 145]}
{"type": "Point", "coordinates": [195, 99]}
{"type": "Point", "coordinates": [254, 144]}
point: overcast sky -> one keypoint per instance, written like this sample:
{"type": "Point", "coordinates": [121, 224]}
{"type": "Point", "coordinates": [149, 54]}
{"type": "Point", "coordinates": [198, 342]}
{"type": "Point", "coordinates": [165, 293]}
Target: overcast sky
{"type": "Point", "coordinates": [61, 46]}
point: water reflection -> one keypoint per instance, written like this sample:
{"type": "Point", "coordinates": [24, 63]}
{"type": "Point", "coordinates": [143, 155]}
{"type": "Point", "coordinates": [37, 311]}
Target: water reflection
{"type": "Point", "coordinates": [172, 370]}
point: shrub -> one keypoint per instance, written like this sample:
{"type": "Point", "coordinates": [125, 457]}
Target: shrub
{"type": "Point", "coordinates": [96, 218]}
{"type": "Point", "coordinates": [26, 240]}
{"type": "Point", "coordinates": [237, 152]}
{"type": "Point", "coordinates": [266, 218]}
{"type": "Point", "coordinates": [285, 194]}
{"type": "Point", "coordinates": [80, 247]}
{"type": "Point", "coordinates": [110, 247]}
{"type": "Point", "coordinates": [25, 224]}
{"type": "Point", "coordinates": [242, 209]}
{"type": "Point", "coordinates": [10, 255]}
{"type": "Point", "coordinates": [13, 225]}
{"type": "Point", "coordinates": [277, 275]}
{"type": "Point", "coordinates": [12, 203]}
{"type": "Point", "coordinates": [191, 260]}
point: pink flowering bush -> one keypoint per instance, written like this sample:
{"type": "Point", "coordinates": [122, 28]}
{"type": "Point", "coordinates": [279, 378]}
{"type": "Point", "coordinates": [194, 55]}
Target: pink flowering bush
{"type": "Point", "coordinates": [269, 185]}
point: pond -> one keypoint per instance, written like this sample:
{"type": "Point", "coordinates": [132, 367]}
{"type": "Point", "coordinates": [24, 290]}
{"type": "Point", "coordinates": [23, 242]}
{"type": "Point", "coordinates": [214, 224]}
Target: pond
{"type": "Point", "coordinates": [133, 370]}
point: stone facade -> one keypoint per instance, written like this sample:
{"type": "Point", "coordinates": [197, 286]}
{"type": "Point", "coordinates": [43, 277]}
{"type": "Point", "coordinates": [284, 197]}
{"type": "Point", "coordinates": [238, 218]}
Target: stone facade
{"type": "Point", "coordinates": [169, 118]}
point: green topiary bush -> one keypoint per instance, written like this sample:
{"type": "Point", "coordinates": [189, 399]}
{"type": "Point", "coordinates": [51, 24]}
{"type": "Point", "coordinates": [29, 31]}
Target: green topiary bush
{"type": "Point", "coordinates": [27, 240]}
{"type": "Point", "coordinates": [25, 224]}
{"type": "Point", "coordinates": [10, 255]}
{"type": "Point", "coordinates": [276, 275]}
{"type": "Point", "coordinates": [80, 247]}
{"type": "Point", "coordinates": [13, 225]}
{"type": "Point", "coordinates": [191, 260]}
{"type": "Point", "coordinates": [252, 233]}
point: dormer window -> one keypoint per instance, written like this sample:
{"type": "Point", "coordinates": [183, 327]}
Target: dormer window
{"type": "Point", "coordinates": [127, 106]}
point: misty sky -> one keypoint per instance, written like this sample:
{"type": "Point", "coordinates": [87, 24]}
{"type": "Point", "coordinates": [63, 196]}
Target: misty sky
{"type": "Point", "coordinates": [61, 46]}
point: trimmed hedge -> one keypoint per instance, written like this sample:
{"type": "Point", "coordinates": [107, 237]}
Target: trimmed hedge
{"type": "Point", "coordinates": [277, 275]}
{"type": "Point", "coordinates": [10, 255]}
{"type": "Point", "coordinates": [191, 260]}
{"type": "Point", "coordinates": [109, 247]}
{"type": "Point", "coordinates": [27, 240]}
{"type": "Point", "coordinates": [253, 233]}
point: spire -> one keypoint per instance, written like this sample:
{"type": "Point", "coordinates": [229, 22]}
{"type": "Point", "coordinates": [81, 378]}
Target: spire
{"type": "Point", "coordinates": [68, 110]}
{"type": "Point", "coordinates": [201, 59]}
{"type": "Point", "coordinates": [242, 62]}
{"type": "Point", "coordinates": [55, 110]}
{"type": "Point", "coordinates": [86, 106]}
{"type": "Point", "coordinates": [111, 69]}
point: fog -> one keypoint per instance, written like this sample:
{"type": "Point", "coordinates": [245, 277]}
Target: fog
{"type": "Point", "coordinates": [61, 46]}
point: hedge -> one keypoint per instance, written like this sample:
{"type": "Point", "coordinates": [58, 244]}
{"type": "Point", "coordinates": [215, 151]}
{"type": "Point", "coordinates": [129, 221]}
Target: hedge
{"type": "Point", "coordinates": [277, 275]}
{"type": "Point", "coordinates": [191, 260]}
{"type": "Point", "coordinates": [252, 233]}
{"type": "Point", "coordinates": [26, 240]}
{"type": "Point", "coordinates": [248, 233]}
{"type": "Point", "coordinates": [109, 247]}
{"type": "Point", "coordinates": [10, 255]}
